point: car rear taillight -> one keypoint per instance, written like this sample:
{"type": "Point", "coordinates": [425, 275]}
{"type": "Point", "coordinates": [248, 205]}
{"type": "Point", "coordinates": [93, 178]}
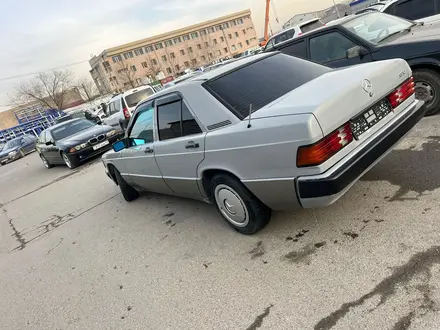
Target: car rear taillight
{"type": "Point", "coordinates": [322, 150]}
{"type": "Point", "coordinates": [402, 93]}
{"type": "Point", "coordinates": [126, 113]}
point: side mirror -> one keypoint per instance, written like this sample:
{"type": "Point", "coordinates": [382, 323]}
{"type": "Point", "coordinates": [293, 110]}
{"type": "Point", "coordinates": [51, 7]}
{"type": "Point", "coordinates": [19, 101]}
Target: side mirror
{"type": "Point", "coordinates": [49, 143]}
{"type": "Point", "coordinates": [119, 145]}
{"type": "Point", "coordinates": [356, 51]}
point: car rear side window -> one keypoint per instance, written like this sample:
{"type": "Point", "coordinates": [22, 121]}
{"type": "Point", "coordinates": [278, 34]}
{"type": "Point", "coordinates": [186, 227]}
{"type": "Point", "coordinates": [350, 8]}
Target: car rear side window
{"type": "Point", "coordinates": [311, 26]}
{"type": "Point", "coordinates": [297, 49]}
{"type": "Point", "coordinates": [175, 120]}
{"type": "Point", "coordinates": [262, 82]}
{"type": "Point", "coordinates": [133, 99]}
{"type": "Point", "coordinates": [414, 9]}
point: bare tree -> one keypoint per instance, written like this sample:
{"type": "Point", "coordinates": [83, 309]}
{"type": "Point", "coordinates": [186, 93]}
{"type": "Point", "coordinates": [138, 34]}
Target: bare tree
{"type": "Point", "coordinates": [87, 88]}
{"type": "Point", "coordinates": [49, 89]}
{"type": "Point", "coordinates": [172, 60]}
{"type": "Point", "coordinates": [210, 49]}
{"type": "Point", "coordinates": [153, 67]}
{"type": "Point", "coordinates": [126, 73]}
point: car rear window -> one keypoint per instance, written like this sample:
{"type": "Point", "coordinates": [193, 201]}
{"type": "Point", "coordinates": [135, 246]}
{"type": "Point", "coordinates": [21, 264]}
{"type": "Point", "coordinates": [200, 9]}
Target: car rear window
{"type": "Point", "coordinates": [261, 82]}
{"type": "Point", "coordinates": [311, 26]}
{"type": "Point", "coordinates": [133, 99]}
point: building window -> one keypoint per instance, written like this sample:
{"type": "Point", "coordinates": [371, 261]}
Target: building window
{"type": "Point", "coordinates": [240, 45]}
{"type": "Point", "coordinates": [236, 34]}
{"type": "Point", "coordinates": [250, 28]}
{"type": "Point", "coordinates": [194, 61]}
{"type": "Point", "coordinates": [226, 50]}
{"type": "Point", "coordinates": [182, 52]}
{"type": "Point", "coordinates": [144, 65]}
{"type": "Point", "coordinates": [187, 64]}
{"type": "Point", "coordinates": [210, 55]}
{"type": "Point", "coordinates": [133, 68]}
{"type": "Point", "coordinates": [186, 37]}
{"type": "Point", "coordinates": [230, 36]}
{"type": "Point", "coordinates": [177, 40]}
{"type": "Point", "coordinates": [233, 23]}
{"type": "Point", "coordinates": [169, 71]}
{"type": "Point", "coordinates": [206, 44]}
{"type": "Point", "coordinates": [168, 43]}
{"type": "Point", "coordinates": [244, 31]}
{"type": "Point", "coordinates": [203, 33]}
{"type": "Point", "coordinates": [154, 61]}
{"type": "Point", "coordinates": [218, 28]}
{"type": "Point", "coordinates": [190, 49]}
{"type": "Point", "coordinates": [107, 67]}
{"type": "Point", "coordinates": [239, 21]}
{"type": "Point", "coordinates": [203, 58]}
{"type": "Point", "coordinates": [233, 48]}
{"type": "Point", "coordinates": [164, 58]}
{"type": "Point", "coordinates": [172, 55]}
{"type": "Point", "coordinates": [215, 41]}
{"type": "Point", "coordinates": [222, 39]}
{"type": "Point", "coordinates": [199, 46]}
{"type": "Point", "coordinates": [128, 55]}
{"type": "Point", "coordinates": [177, 67]}
{"type": "Point", "coordinates": [116, 58]}
{"type": "Point", "coordinates": [194, 35]}
{"type": "Point", "coordinates": [211, 29]}
{"type": "Point", "coordinates": [138, 52]}
{"type": "Point", "coordinates": [248, 42]}
{"type": "Point", "coordinates": [158, 46]}
{"type": "Point", "coordinates": [225, 25]}
{"type": "Point", "coordinates": [149, 49]}
{"type": "Point", "coordinates": [122, 70]}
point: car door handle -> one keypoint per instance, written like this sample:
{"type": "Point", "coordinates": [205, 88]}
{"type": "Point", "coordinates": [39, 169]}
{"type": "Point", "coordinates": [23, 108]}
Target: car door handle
{"type": "Point", "coordinates": [191, 145]}
{"type": "Point", "coordinates": [148, 150]}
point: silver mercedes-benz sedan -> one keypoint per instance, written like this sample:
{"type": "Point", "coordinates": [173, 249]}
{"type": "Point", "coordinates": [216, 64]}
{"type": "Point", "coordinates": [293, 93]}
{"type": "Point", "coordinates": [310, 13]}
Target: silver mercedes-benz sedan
{"type": "Point", "coordinates": [267, 132]}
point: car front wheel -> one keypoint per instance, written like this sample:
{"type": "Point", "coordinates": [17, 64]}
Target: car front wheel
{"type": "Point", "coordinates": [45, 162]}
{"type": "Point", "coordinates": [22, 153]}
{"type": "Point", "coordinates": [427, 86]}
{"type": "Point", "coordinates": [70, 161]}
{"type": "Point", "coordinates": [128, 192]}
{"type": "Point", "coordinates": [238, 206]}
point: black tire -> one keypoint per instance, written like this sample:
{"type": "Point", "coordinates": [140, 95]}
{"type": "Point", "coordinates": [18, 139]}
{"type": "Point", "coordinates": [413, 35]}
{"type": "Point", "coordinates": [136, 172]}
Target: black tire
{"type": "Point", "coordinates": [71, 162]}
{"type": "Point", "coordinates": [45, 162]}
{"type": "Point", "coordinates": [129, 193]}
{"type": "Point", "coordinates": [22, 153]}
{"type": "Point", "coordinates": [428, 89]}
{"type": "Point", "coordinates": [256, 215]}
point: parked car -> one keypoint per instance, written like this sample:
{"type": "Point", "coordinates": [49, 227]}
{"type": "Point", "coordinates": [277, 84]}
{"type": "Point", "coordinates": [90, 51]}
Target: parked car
{"type": "Point", "coordinates": [17, 148]}
{"type": "Point", "coordinates": [293, 32]}
{"type": "Point", "coordinates": [417, 10]}
{"type": "Point", "coordinates": [267, 132]}
{"type": "Point", "coordinates": [182, 78]}
{"type": "Point", "coordinates": [121, 107]}
{"type": "Point", "coordinates": [376, 36]}
{"type": "Point", "coordinates": [74, 141]}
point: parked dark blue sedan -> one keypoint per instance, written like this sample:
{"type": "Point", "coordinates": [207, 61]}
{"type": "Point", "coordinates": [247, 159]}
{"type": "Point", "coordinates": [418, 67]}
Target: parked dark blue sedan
{"type": "Point", "coordinates": [17, 148]}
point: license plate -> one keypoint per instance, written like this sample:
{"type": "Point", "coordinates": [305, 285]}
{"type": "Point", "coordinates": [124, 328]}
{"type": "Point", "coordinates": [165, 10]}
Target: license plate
{"type": "Point", "coordinates": [369, 118]}
{"type": "Point", "coordinates": [100, 145]}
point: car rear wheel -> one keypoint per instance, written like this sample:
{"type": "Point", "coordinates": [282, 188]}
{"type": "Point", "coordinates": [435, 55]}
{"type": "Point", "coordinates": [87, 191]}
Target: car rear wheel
{"type": "Point", "coordinates": [70, 161]}
{"type": "Point", "coordinates": [45, 162]}
{"type": "Point", "coordinates": [427, 85]}
{"type": "Point", "coordinates": [128, 192]}
{"type": "Point", "coordinates": [238, 206]}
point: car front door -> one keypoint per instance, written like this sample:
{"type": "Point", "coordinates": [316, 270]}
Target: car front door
{"type": "Point", "coordinates": [138, 164]}
{"type": "Point", "coordinates": [330, 48]}
{"type": "Point", "coordinates": [28, 144]}
{"type": "Point", "coordinates": [47, 148]}
{"type": "Point", "coordinates": [180, 147]}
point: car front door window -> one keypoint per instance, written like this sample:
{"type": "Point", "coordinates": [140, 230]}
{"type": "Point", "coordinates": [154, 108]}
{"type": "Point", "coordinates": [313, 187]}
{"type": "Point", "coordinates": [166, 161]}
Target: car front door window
{"type": "Point", "coordinates": [142, 128]}
{"type": "Point", "coordinates": [329, 47]}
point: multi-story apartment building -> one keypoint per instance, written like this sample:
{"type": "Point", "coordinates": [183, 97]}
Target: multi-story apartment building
{"type": "Point", "coordinates": [168, 55]}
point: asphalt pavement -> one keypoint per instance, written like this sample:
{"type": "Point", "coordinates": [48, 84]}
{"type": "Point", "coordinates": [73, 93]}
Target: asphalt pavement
{"type": "Point", "coordinates": [75, 255]}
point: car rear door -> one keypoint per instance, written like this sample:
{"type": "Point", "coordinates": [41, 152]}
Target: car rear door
{"type": "Point", "coordinates": [113, 113]}
{"type": "Point", "coordinates": [180, 147]}
{"type": "Point", "coordinates": [137, 162]}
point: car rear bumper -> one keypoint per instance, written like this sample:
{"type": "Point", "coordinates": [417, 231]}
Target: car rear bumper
{"type": "Point", "coordinates": [324, 189]}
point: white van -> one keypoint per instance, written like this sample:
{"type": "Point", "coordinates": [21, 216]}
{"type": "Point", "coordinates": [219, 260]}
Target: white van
{"type": "Point", "coordinates": [121, 107]}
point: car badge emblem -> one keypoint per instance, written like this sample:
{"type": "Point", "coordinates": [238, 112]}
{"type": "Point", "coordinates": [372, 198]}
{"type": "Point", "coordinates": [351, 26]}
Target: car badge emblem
{"type": "Point", "coordinates": [368, 87]}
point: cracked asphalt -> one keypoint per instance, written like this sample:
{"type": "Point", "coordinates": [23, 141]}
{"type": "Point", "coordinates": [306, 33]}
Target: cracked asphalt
{"type": "Point", "coordinates": [75, 255]}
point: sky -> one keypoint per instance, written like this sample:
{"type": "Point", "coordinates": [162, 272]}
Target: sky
{"type": "Point", "coordinates": [50, 34]}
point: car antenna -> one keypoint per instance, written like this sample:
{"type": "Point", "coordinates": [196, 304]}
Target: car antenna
{"type": "Point", "coordinates": [250, 115]}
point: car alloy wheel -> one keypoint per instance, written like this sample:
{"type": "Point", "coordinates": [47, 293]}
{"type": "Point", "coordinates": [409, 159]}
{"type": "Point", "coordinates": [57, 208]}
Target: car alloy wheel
{"type": "Point", "coordinates": [424, 92]}
{"type": "Point", "coordinates": [44, 160]}
{"type": "Point", "coordinates": [22, 154]}
{"type": "Point", "coordinates": [231, 205]}
{"type": "Point", "coordinates": [67, 161]}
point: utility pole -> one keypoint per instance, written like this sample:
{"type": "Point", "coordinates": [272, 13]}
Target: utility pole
{"type": "Point", "coordinates": [336, 7]}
